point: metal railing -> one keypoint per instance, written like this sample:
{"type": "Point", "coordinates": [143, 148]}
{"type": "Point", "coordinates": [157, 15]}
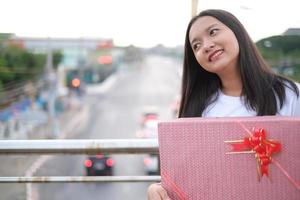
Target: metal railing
{"type": "Point", "coordinates": [111, 146]}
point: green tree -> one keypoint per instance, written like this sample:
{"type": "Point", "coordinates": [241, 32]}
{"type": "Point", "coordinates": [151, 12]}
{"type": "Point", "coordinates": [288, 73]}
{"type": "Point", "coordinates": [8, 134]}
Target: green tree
{"type": "Point", "coordinates": [279, 47]}
{"type": "Point", "coordinates": [18, 66]}
{"type": "Point", "coordinates": [57, 57]}
{"type": "Point", "coordinates": [282, 51]}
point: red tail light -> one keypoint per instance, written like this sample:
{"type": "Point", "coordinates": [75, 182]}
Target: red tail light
{"type": "Point", "coordinates": [146, 161]}
{"type": "Point", "coordinates": [110, 162]}
{"type": "Point", "coordinates": [88, 163]}
{"type": "Point", "coordinates": [150, 117]}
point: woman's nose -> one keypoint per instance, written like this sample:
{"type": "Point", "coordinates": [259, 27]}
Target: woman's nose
{"type": "Point", "coordinates": [208, 46]}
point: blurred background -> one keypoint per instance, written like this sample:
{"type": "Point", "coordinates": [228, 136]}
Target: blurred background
{"type": "Point", "coordinates": [98, 69]}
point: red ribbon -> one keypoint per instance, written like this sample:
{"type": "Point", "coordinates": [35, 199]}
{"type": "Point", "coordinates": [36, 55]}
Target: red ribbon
{"type": "Point", "coordinates": [262, 148]}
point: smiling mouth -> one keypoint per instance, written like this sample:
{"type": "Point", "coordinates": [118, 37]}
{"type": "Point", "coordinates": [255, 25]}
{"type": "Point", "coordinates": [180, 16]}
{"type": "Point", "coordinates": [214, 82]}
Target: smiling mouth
{"type": "Point", "coordinates": [214, 56]}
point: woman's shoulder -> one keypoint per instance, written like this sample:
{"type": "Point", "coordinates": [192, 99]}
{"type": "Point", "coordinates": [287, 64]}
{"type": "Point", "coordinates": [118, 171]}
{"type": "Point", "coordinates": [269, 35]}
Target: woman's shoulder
{"type": "Point", "coordinates": [292, 89]}
{"type": "Point", "coordinates": [291, 106]}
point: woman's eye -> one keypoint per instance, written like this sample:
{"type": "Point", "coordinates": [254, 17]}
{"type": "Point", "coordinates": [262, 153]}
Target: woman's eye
{"type": "Point", "coordinates": [196, 46]}
{"type": "Point", "coordinates": [213, 31]}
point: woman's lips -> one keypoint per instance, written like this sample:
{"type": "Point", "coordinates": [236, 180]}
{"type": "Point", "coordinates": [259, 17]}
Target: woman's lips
{"type": "Point", "coordinates": [214, 55]}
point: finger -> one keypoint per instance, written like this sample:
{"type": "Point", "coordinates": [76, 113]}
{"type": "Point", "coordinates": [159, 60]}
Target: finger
{"type": "Point", "coordinates": [153, 192]}
{"type": "Point", "coordinates": [163, 194]}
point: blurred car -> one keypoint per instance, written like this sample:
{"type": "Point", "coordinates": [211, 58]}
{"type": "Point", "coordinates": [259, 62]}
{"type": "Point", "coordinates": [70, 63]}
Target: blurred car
{"type": "Point", "coordinates": [149, 113]}
{"type": "Point", "coordinates": [149, 129]}
{"type": "Point", "coordinates": [99, 165]}
{"type": "Point", "coordinates": [151, 164]}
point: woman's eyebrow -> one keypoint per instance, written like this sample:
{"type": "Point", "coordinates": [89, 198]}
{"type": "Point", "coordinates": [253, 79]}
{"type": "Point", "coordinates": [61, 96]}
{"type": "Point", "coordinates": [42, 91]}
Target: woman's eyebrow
{"type": "Point", "coordinates": [206, 30]}
{"type": "Point", "coordinates": [211, 26]}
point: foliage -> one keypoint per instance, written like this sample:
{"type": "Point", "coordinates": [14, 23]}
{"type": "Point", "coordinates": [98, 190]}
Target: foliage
{"type": "Point", "coordinates": [282, 52]}
{"type": "Point", "coordinates": [133, 54]}
{"type": "Point", "coordinates": [280, 49]}
{"type": "Point", "coordinates": [57, 57]}
{"type": "Point", "coordinates": [284, 43]}
{"type": "Point", "coordinates": [18, 64]}
{"type": "Point", "coordinates": [296, 75]}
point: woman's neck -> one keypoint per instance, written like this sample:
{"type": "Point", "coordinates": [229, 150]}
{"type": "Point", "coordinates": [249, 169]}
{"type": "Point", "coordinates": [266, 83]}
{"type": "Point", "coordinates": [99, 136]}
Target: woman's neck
{"type": "Point", "coordinates": [231, 84]}
{"type": "Point", "coordinates": [232, 88]}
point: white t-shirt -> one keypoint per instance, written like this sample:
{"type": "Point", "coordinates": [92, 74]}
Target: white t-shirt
{"type": "Point", "coordinates": [231, 106]}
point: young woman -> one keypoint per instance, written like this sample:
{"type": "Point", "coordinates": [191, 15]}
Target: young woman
{"type": "Point", "coordinates": [224, 75]}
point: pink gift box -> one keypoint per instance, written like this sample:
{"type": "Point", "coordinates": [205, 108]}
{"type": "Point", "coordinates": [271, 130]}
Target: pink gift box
{"type": "Point", "coordinates": [195, 166]}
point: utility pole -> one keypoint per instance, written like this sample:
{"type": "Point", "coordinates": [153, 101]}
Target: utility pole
{"type": "Point", "coordinates": [51, 79]}
{"type": "Point", "coordinates": [194, 8]}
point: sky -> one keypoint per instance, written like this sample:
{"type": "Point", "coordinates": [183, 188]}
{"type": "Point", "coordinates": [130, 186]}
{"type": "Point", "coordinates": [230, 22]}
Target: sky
{"type": "Point", "coordinates": [143, 23]}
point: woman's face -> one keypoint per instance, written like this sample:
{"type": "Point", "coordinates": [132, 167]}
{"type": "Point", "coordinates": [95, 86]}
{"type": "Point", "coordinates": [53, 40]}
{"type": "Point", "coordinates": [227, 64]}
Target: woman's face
{"type": "Point", "coordinates": [214, 45]}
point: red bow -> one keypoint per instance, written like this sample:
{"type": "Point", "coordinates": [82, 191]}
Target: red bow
{"type": "Point", "coordinates": [262, 148]}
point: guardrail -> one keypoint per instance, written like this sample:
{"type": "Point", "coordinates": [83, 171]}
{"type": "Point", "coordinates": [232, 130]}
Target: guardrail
{"type": "Point", "coordinates": [111, 146]}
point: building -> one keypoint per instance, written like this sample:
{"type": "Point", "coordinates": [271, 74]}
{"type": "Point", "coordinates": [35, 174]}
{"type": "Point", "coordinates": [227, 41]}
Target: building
{"type": "Point", "coordinates": [75, 50]}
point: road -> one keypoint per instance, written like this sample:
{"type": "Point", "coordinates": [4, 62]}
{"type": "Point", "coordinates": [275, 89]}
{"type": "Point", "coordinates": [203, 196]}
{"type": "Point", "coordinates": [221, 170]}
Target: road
{"type": "Point", "coordinates": [113, 114]}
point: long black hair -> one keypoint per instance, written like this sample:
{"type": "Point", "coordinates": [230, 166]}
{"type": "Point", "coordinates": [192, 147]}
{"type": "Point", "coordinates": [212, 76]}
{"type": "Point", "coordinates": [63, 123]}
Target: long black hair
{"type": "Point", "coordinates": [260, 86]}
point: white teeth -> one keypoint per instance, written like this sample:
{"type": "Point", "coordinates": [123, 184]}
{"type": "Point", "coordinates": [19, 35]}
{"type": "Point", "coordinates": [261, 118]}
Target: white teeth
{"type": "Point", "coordinates": [216, 54]}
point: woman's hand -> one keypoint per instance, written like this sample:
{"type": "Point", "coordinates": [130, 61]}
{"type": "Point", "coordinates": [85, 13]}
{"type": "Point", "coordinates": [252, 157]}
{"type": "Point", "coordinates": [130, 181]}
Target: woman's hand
{"type": "Point", "coordinates": [157, 192]}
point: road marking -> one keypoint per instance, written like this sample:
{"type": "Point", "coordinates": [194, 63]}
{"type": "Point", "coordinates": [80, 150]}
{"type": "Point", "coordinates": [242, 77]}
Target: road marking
{"type": "Point", "coordinates": [78, 120]}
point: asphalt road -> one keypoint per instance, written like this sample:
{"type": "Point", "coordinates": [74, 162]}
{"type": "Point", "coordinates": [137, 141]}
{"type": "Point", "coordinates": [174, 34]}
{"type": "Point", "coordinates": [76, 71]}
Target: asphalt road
{"type": "Point", "coordinates": [115, 113]}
